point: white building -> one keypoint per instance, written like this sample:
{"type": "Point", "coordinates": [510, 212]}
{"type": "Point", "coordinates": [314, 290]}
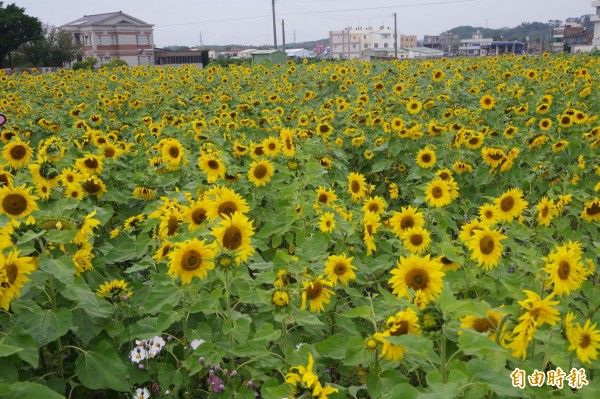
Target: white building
{"type": "Point", "coordinates": [596, 20]}
{"type": "Point", "coordinates": [299, 53]}
{"type": "Point", "coordinates": [113, 35]}
{"type": "Point", "coordinates": [472, 47]}
{"type": "Point", "coordinates": [245, 54]}
{"type": "Point", "coordinates": [351, 43]}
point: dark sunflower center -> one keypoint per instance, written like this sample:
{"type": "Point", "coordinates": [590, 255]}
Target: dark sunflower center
{"type": "Point", "coordinates": [272, 146]}
{"type": "Point", "coordinates": [374, 208]}
{"type": "Point", "coordinates": [199, 215]}
{"type": "Point", "coordinates": [109, 152]}
{"type": "Point", "coordinates": [564, 270]}
{"type": "Point", "coordinates": [545, 211]}
{"type": "Point", "coordinates": [482, 325]}
{"type": "Point", "coordinates": [227, 208]}
{"type": "Point", "coordinates": [507, 204]}
{"type": "Point", "coordinates": [288, 144]}
{"type": "Point", "coordinates": [437, 192]}
{"type": "Point", "coordinates": [8, 135]}
{"type": "Point", "coordinates": [74, 194]}
{"type": "Point", "coordinates": [486, 245]}
{"type": "Point", "coordinates": [565, 120]}
{"type": "Point", "coordinates": [14, 204]}
{"type": "Point", "coordinates": [473, 140]}
{"type": "Point", "coordinates": [445, 175]}
{"type": "Point", "coordinates": [400, 328]}
{"type": "Point", "coordinates": [91, 163]}
{"type": "Point", "coordinates": [12, 271]}
{"type": "Point", "coordinates": [232, 239]}
{"type": "Point", "coordinates": [314, 290]}
{"type": "Point", "coordinates": [417, 279]}
{"type": "Point", "coordinates": [213, 164]}
{"type": "Point", "coordinates": [91, 187]}
{"type": "Point", "coordinates": [584, 341]}
{"type": "Point", "coordinates": [191, 260]}
{"type": "Point", "coordinates": [496, 156]}
{"type": "Point", "coordinates": [261, 171]}
{"type": "Point", "coordinates": [488, 214]}
{"type": "Point", "coordinates": [369, 229]}
{"type": "Point", "coordinates": [3, 179]}
{"type": "Point", "coordinates": [18, 152]}
{"type": "Point", "coordinates": [407, 222]}
{"type": "Point", "coordinates": [323, 128]}
{"type": "Point", "coordinates": [174, 152]}
{"type": "Point", "coordinates": [593, 209]}
{"type": "Point", "coordinates": [355, 187]}
{"type": "Point", "coordinates": [259, 150]}
{"type": "Point", "coordinates": [416, 239]}
{"type": "Point", "coordinates": [426, 158]}
{"type": "Point", "coordinates": [340, 269]}
{"type": "Point", "coordinates": [487, 101]}
{"type": "Point", "coordinates": [445, 261]}
{"type": "Point", "coordinates": [323, 198]}
{"type": "Point", "coordinates": [172, 225]}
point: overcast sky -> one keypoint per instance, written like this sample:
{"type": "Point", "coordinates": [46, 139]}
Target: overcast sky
{"type": "Point", "coordinates": [249, 22]}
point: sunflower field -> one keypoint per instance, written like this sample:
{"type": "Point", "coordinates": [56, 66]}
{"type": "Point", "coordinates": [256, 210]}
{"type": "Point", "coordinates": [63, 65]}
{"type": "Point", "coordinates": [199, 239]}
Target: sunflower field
{"type": "Point", "coordinates": [395, 229]}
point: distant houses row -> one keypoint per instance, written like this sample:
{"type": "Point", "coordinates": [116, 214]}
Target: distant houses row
{"type": "Point", "coordinates": [109, 36]}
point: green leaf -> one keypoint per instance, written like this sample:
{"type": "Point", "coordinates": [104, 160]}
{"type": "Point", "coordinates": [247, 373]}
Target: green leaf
{"type": "Point", "coordinates": [19, 338]}
{"type": "Point", "coordinates": [63, 269]}
{"type": "Point", "coordinates": [333, 347]}
{"type": "Point", "coordinates": [8, 350]}
{"type": "Point", "coordinates": [60, 236]}
{"type": "Point", "coordinates": [85, 327]}
{"type": "Point", "coordinates": [476, 344]}
{"type": "Point", "coordinates": [80, 293]}
{"type": "Point", "coordinates": [305, 318]}
{"type": "Point", "coordinates": [266, 333]}
{"type": "Point", "coordinates": [361, 311]}
{"type": "Point", "coordinates": [30, 235]}
{"type": "Point", "coordinates": [152, 299]}
{"type": "Point", "coordinates": [125, 249]}
{"type": "Point", "coordinates": [315, 247]}
{"type": "Point", "coordinates": [28, 390]}
{"type": "Point", "coordinates": [44, 325]}
{"type": "Point", "coordinates": [102, 368]}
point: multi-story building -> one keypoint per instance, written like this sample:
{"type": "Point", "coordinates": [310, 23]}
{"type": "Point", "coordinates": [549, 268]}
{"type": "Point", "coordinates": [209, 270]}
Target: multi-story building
{"type": "Point", "coordinates": [569, 35]}
{"type": "Point", "coordinates": [350, 43]}
{"type": "Point", "coordinates": [472, 47]}
{"type": "Point", "coordinates": [446, 42]}
{"type": "Point", "coordinates": [596, 20]}
{"type": "Point", "coordinates": [113, 35]}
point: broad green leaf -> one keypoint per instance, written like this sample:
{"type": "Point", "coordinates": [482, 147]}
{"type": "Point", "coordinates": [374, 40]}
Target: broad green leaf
{"type": "Point", "coordinates": [63, 268]}
{"type": "Point", "coordinates": [60, 236]}
{"type": "Point", "coordinates": [266, 333]}
{"type": "Point", "coordinates": [152, 299]}
{"type": "Point", "coordinates": [80, 293]}
{"type": "Point", "coordinates": [361, 311]}
{"type": "Point", "coordinates": [19, 338]}
{"type": "Point", "coordinates": [44, 325]}
{"type": "Point", "coordinates": [8, 350]}
{"type": "Point", "coordinates": [102, 368]}
{"type": "Point", "coordinates": [476, 344]}
{"type": "Point", "coordinates": [333, 347]}
{"type": "Point", "coordinates": [28, 390]}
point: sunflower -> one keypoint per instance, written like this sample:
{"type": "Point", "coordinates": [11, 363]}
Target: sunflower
{"type": "Point", "coordinates": [233, 234]}
{"type": "Point", "coordinates": [447, 263]}
{"type": "Point", "coordinates": [461, 167]}
{"type": "Point", "coordinates": [485, 247]}
{"type": "Point", "coordinates": [17, 202]}
{"type": "Point", "coordinates": [416, 239]}
{"type": "Point", "coordinates": [488, 214]}
{"type": "Point", "coordinates": [510, 204]}
{"type": "Point", "coordinates": [327, 222]}
{"type": "Point", "coordinates": [371, 223]}
{"type": "Point", "coordinates": [565, 269]}
{"type": "Point", "coordinates": [17, 153]}
{"type": "Point", "coordinates": [437, 75]}
{"type": "Point", "coordinates": [421, 275]}
{"type": "Point", "coordinates": [195, 214]}
{"type": "Point", "coordinates": [591, 211]}
{"type": "Point", "coordinates": [172, 152]}
{"type": "Point", "coordinates": [226, 203]}
{"type": "Point", "coordinates": [545, 124]}
{"type": "Point", "coordinates": [6, 178]}
{"type": "Point", "coordinates": [438, 193]}
{"type": "Point", "coordinates": [407, 218]}
{"type": "Point", "coordinates": [317, 293]}
{"type": "Point", "coordinates": [426, 158]}
{"type": "Point", "coordinates": [287, 138]}
{"type": "Point", "coordinates": [170, 220]}
{"type": "Point", "coordinates": [191, 258]}
{"type": "Point", "coordinates": [92, 185]}
{"type": "Point", "coordinates": [357, 186]}
{"type": "Point", "coordinates": [540, 310]}
{"type": "Point", "coordinates": [90, 165]}
{"type": "Point", "coordinates": [114, 291]}
{"type": "Point", "coordinates": [414, 106]}
{"type": "Point", "coordinates": [585, 341]}
{"type": "Point", "coordinates": [83, 258]}
{"type": "Point", "coordinates": [43, 190]}
{"type": "Point", "coordinates": [324, 129]}
{"type": "Point", "coordinates": [144, 193]}
{"type": "Point", "coordinates": [404, 322]}
{"type": "Point", "coordinates": [487, 102]}
{"type": "Point", "coordinates": [546, 211]}
{"type": "Point", "coordinates": [340, 268]}
{"type": "Point", "coordinates": [493, 156]}
{"type": "Point", "coordinates": [212, 166]}
{"type": "Point", "coordinates": [14, 270]}
{"type": "Point", "coordinates": [239, 149]}
{"type": "Point", "coordinates": [375, 205]}
{"type": "Point", "coordinates": [488, 324]}
{"type": "Point", "coordinates": [565, 120]}
{"type": "Point", "coordinates": [74, 191]}
{"type": "Point", "coordinates": [325, 197]}
{"type": "Point", "coordinates": [260, 172]}
{"type": "Point", "coordinates": [271, 146]}
{"type": "Point", "coordinates": [280, 298]}
{"type": "Point", "coordinates": [560, 145]}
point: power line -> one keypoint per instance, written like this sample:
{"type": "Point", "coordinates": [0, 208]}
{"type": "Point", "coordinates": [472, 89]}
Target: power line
{"type": "Point", "coordinates": [320, 12]}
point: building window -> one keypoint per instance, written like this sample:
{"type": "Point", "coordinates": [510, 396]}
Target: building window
{"type": "Point", "coordinates": [107, 40]}
{"type": "Point", "coordinates": [354, 46]}
{"type": "Point", "coordinates": [143, 39]}
{"type": "Point", "coordinates": [376, 45]}
{"type": "Point", "coordinates": [385, 45]}
{"type": "Point", "coordinates": [86, 40]}
{"type": "Point", "coordinates": [366, 45]}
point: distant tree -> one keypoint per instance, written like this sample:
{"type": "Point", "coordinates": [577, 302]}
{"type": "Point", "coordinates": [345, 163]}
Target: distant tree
{"type": "Point", "coordinates": [16, 28]}
{"type": "Point", "coordinates": [54, 49]}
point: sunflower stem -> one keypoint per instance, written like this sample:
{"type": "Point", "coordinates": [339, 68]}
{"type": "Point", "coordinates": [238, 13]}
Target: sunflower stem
{"type": "Point", "coordinates": [59, 348]}
{"type": "Point", "coordinates": [229, 315]}
{"type": "Point", "coordinates": [185, 320]}
{"type": "Point", "coordinates": [443, 364]}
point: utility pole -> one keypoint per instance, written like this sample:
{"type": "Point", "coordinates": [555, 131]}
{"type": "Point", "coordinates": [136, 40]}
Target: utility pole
{"type": "Point", "coordinates": [274, 25]}
{"type": "Point", "coordinates": [283, 33]}
{"type": "Point", "coordinates": [395, 38]}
